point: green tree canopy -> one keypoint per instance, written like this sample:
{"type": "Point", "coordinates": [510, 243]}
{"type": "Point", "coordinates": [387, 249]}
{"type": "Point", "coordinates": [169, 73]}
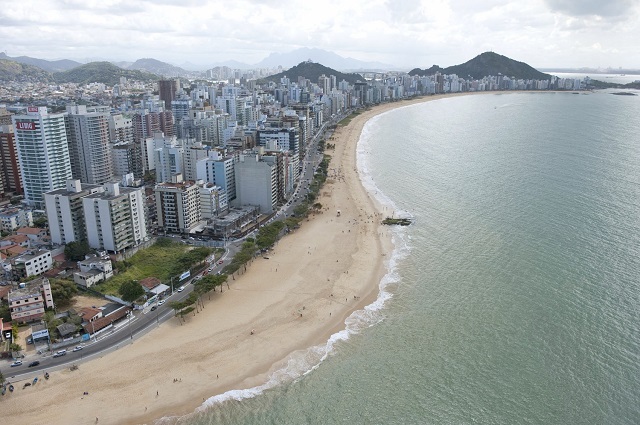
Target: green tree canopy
{"type": "Point", "coordinates": [75, 251]}
{"type": "Point", "coordinates": [131, 290]}
{"type": "Point", "coordinates": [40, 222]}
{"type": "Point", "coordinates": [63, 291]}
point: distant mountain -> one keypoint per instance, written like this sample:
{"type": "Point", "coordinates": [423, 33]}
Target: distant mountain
{"type": "Point", "coordinates": [330, 59]}
{"type": "Point", "coordinates": [164, 69]}
{"type": "Point", "coordinates": [312, 71]}
{"type": "Point", "coordinates": [49, 66]}
{"type": "Point", "coordinates": [101, 72]}
{"type": "Point", "coordinates": [430, 71]}
{"type": "Point", "coordinates": [19, 72]}
{"type": "Point", "coordinates": [488, 63]}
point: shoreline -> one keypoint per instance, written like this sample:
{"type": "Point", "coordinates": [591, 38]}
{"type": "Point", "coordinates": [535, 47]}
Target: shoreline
{"type": "Point", "coordinates": [293, 301]}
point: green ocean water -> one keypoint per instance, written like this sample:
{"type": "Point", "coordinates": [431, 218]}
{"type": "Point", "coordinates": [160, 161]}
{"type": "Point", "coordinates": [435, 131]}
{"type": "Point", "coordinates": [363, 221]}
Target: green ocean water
{"type": "Point", "coordinates": [514, 298]}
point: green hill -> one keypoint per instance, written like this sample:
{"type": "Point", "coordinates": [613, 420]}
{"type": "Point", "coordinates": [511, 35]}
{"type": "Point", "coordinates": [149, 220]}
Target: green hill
{"type": "Point", "coordinates": [488, 63]}
{"type": "Point", "coordinates": [101, 72]}
{"type": "Point", "coordinates": [312, 71]}
{"type": "Point", "coordinates": [19, 72]}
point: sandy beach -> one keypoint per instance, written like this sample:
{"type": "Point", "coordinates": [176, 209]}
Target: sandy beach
{"type": "Point", "coordinates": [312, 281]}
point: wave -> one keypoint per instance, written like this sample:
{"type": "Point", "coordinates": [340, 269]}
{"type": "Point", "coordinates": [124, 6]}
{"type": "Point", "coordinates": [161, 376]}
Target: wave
{"type": "Point", "coordinates": [302, 362]}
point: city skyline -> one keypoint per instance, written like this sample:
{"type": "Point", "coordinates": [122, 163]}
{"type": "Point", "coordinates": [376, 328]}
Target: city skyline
{"type": "Point", "coordinates": [542, 33]}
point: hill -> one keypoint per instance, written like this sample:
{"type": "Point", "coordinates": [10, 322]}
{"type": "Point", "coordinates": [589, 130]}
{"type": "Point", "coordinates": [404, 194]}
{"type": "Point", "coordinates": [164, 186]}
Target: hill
{"type": "Point", "coordinates": [164, 69]}
{"type": "Point", "coordinates": [490, 63]}
{"type": "Point", "coordinates": [49, 66]}
{"type": "Point", "coordinates": [331, 59]}
{"type": "Point", "coordinates": [20, 72]}
{"type": "Point", "coordinates": [101, 72]}
{"type": "Point", "coordinates": [312, 71]}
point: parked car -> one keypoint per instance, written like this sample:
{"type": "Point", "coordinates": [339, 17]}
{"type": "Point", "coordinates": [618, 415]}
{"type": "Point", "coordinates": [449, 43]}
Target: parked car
{"type": "Point", "coordinates": [16, 363]}
{"type": "Point", "coordinates": [77, 348]}
{"type": "Point", "coordinates": [161, 302]}
{"type": "Point", "coordinates": [154, 307]}
{"type": "Point", "coordinates": [33, 364]}
{"type": "Point", "coordinates": [180, 289]}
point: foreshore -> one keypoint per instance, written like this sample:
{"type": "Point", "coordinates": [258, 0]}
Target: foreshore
{"type": "Point", "coordinates": [311, 282]}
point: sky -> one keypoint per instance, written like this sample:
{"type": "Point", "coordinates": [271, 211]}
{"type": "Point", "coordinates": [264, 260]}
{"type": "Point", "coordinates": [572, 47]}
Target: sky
{"type": "Point", "coordinates": [410, 33]}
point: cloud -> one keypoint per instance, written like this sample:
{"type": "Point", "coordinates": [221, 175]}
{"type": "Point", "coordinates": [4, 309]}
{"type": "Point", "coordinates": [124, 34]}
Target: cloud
{"type": "Point", "coordinates": [605, 9]}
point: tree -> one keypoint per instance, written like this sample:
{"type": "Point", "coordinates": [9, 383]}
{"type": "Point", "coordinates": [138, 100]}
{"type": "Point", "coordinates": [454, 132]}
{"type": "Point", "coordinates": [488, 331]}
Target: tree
{"type": "Point", "coordinates": [131, 290]}
{"type": "Point", "coordinates": [40, 222]}
{"type": "Point", "coordinates": [63, 291]}
{"type": "Point", "coordinates": [76, 251]}
{"type": "Point", "coordinates": [1, 378]}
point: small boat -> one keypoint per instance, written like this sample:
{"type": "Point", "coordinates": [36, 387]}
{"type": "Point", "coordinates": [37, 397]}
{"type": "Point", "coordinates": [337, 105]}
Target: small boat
{"type": "Point", "coordinates": [11, 388]}
{"type": "Point", "coordinates": [46, 375]}
{"type": "Point", "coordinates": [35, 380]}
{"type": "Point", "coordinates": [4, 390]}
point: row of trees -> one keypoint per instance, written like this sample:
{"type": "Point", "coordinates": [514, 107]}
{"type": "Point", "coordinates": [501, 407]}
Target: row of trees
{"type": "Point", "coordinates": [194, 301]}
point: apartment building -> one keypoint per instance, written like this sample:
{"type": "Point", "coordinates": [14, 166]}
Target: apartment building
{"type": "Point", "coordinates": [43, 153]}
{"type": "Point", "coordinates": [28, 302]}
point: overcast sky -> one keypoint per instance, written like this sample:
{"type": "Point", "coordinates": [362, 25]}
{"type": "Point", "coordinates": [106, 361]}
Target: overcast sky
{"type": "Point", "coordinates": [411, 33]}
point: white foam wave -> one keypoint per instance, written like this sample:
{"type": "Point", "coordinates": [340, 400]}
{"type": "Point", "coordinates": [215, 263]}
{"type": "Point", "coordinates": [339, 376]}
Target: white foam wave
{"type": "Point", "coordinates": [303, 362]}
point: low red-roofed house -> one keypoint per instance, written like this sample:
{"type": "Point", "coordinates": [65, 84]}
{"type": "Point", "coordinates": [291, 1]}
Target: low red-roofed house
{"type": "Point", "coordinates": [89, 314]}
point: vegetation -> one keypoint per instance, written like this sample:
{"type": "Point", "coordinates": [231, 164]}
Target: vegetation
{"type": "Point", "coordinates": [346, 120]}
{"type": "Point", "coordinates": [15, 347]}
{"type": "Point", "coordinates": [101, 72]}
{"type": "Point", "coordinates": [131, 290]}
{"type": "Point", "coordinates": [312, 71]}
{"type": "Point", "coordinates": [5, 312]}
{"type": "Point", "coordinates": [76, 250]}
{"type": "Point", "coordinates": [268, 235]}
{"type": "Point", "coordinates": [164, 260]}
{"type": "Point", "coordinates": [14, 71]}
{"type": "Point", "coordinates": [2, 379]}
{"type": "Point", "coordinates": [40, 222]}
{"type": "Point", "coordinates": [485, 64]}
{"type": "Point", "coordinates": [63, 291]}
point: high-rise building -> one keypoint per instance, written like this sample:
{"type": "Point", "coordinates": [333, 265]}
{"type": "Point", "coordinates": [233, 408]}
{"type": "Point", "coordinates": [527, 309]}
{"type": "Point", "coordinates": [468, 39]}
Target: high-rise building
{"type": "Point", "coordinates": [178, 205]}
{"type": "Point", "coordinates": [167, 90]}
{"type": "Point", "coordinates": [115, 218]}
{"type": "Point", "coordinates": [257, 183]}
{"type": "Point", "coordinates": [43, 153]}
{"type": "Point", "coordinates": [9, 167]}
{"type": "Point", "coordinates": [89, 148]}
{"type": "Point", "coordinates": [219, 170]}
{"type": "Point", "coordinates": [65, 212]}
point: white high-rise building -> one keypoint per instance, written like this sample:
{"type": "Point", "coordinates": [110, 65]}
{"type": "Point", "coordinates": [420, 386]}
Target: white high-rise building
{"type": "Point", "coordinates": [257, 183]}
{"type": "Point", "coordinates": [64, 211]}
{"type": "Point", "coordinates": [116, 218]}
{"type": "Point", "coordinates": [89, 149]}
{"type": "Point", "coordinates": [219, 170]}
{"type": "Point", "coordinates": [43, 153]}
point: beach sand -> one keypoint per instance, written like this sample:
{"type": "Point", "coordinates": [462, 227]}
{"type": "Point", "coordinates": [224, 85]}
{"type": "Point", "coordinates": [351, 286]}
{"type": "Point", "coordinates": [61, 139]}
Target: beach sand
{"type": "Point", "coordinates": [314, 279]}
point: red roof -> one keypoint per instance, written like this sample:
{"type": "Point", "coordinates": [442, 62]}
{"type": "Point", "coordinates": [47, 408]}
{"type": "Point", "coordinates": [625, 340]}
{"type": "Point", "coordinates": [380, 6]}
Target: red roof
{"type": "Point", "coordinates": [150, 282]}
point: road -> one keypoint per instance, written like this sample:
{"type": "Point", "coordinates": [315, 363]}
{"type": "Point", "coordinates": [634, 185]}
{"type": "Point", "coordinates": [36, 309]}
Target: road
{"type": "Point", "coordinates": [141, 322]}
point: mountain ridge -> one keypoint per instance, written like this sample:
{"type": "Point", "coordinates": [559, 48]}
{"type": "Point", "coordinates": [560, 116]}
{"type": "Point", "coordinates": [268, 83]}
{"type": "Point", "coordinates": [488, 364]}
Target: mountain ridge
{"type": "Point", "coordinates": [485, 64]}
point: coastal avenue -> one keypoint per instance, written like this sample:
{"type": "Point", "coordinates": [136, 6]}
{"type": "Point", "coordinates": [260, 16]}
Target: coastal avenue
{"type": "Point", "coordinates": [140, 323]}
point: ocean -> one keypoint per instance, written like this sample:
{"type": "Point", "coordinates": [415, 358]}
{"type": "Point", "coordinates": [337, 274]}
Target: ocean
{"type": "Point", "coordinates": [513, 298]}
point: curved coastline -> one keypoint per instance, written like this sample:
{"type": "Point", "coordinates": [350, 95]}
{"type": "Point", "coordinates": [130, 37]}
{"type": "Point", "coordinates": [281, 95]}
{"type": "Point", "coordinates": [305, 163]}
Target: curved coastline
{"type": "Point", "coordinates": [294, 300]}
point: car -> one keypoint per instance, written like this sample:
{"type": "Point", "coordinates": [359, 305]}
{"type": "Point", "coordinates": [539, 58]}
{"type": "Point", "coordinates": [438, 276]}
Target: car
{"type": "Point", "coordinates": [60, 353]}
{"type": "Point", "coordinates": [16, 363]}
{"type": "Point", "coordinates": [77, 348]}
{"type": "Point", "coordinates": [180, 289]}
{"type": "Point", "coordinates": [154, 307]}
{"type": "Point", "coordinates": [34, 364]}
{"type": "Point", "coordinates": [161, 302]}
